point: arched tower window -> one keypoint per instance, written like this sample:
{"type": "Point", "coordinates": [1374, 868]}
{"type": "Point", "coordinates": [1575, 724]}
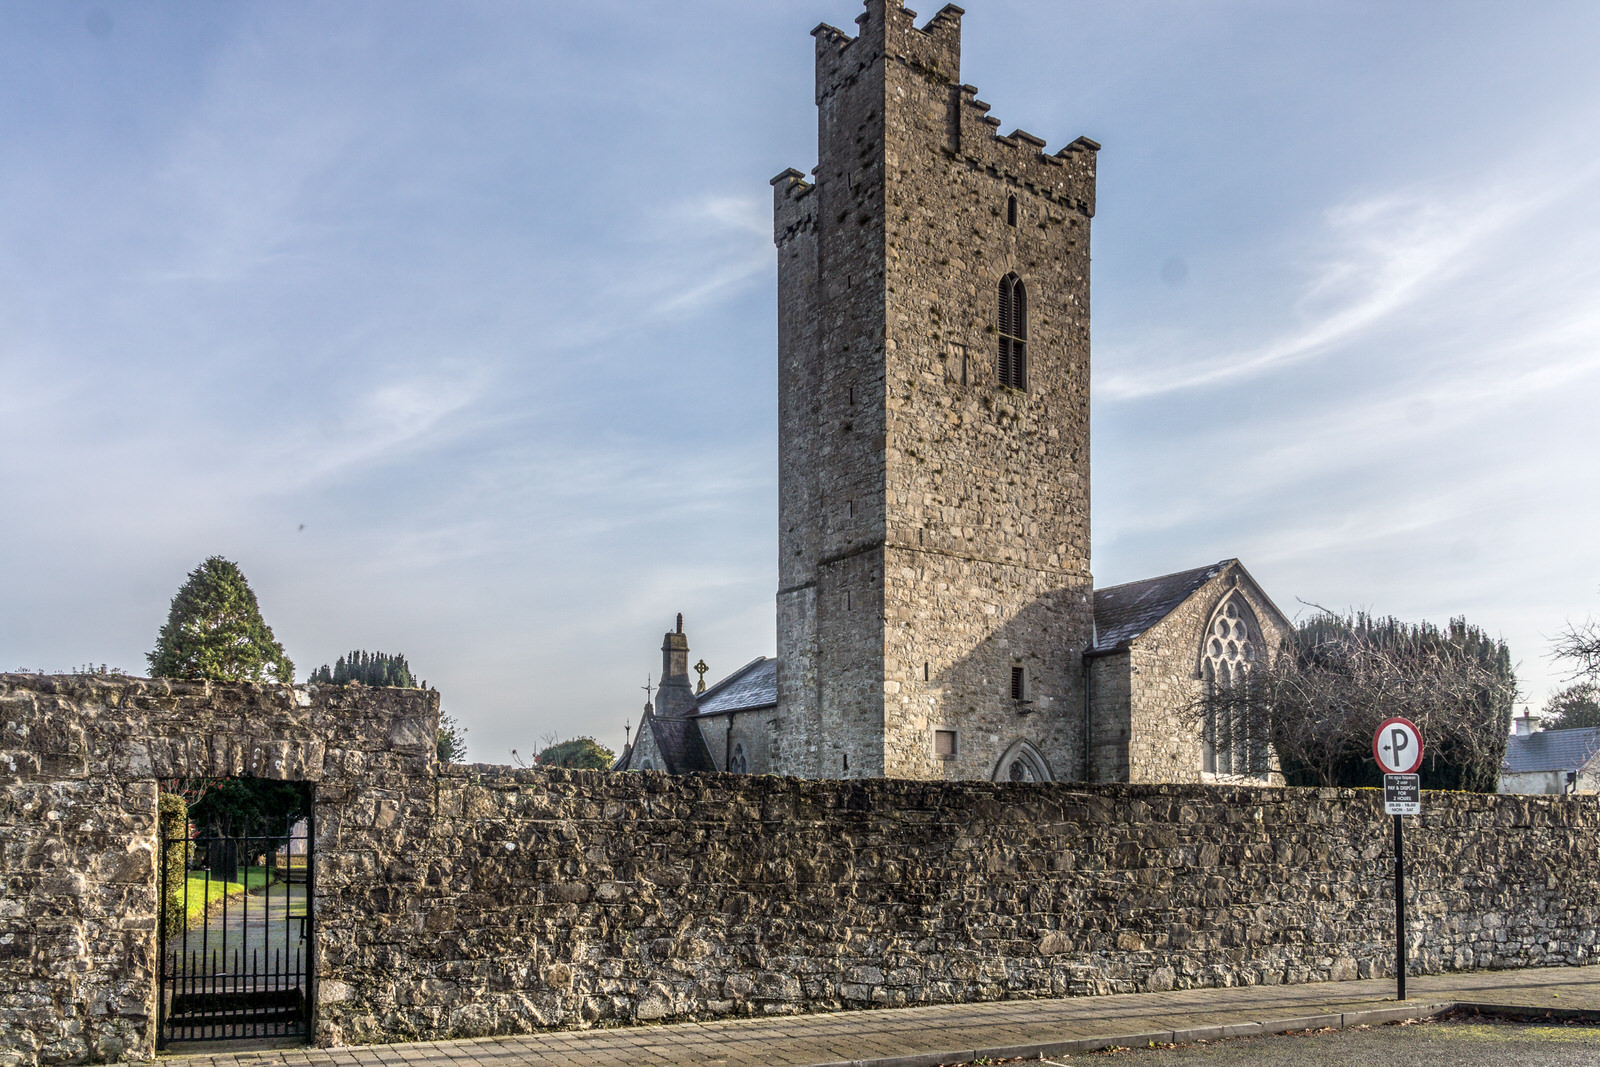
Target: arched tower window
{"type": "Point", "coordinates": [1012, 365]}
{"type": "Point", "coordinates": [1229, 649]}
{"type": "Point", "coordinates": [738, 764]}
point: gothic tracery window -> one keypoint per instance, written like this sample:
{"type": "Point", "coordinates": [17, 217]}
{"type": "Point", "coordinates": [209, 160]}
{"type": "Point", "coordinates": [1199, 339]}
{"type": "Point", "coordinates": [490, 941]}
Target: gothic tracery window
{"type": "Point", "coordinates": [1229, 649]}
{"type": "Point", "coordinates": [738, 764]}
{"type": "Point", "coordinates": [1011, 366]}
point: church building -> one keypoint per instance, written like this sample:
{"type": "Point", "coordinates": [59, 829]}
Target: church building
{"type": "Point", "coordinates": [935, 612]}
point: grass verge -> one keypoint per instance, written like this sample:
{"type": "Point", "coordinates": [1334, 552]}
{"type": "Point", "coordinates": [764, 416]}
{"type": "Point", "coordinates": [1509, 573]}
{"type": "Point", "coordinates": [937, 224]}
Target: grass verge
{"type": "Point", "coordinates": [204, 891]}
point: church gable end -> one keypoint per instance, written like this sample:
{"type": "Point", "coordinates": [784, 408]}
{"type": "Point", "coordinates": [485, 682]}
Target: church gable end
{"type": "Point", "coordinates": [1175, 657]}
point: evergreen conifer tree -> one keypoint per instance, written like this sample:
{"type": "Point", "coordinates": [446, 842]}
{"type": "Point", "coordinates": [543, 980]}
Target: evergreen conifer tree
{"type": "Point", "coordinates": [369, 668]}
{"type": "Point", "coordinates": [215, 630]}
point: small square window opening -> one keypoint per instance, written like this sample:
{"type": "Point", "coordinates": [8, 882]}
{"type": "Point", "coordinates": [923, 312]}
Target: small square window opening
{"type": "Point", "coordinates": [944, 744]}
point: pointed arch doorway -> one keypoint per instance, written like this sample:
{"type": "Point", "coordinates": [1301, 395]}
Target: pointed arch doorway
{"type": "Point", "coordinates": [1022, 762]}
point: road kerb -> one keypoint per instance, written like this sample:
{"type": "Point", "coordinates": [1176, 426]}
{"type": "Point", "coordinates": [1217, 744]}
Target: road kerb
{"type": "Point", "coordinates": [1542, 1011]}
{"type": "Point", "coordinates": [1329, 1021]}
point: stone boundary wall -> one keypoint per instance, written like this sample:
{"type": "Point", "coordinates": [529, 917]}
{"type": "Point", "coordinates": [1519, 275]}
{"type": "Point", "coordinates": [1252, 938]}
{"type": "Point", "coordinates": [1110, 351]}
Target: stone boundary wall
{"type": "Point", "coordinates": [464, 901]}
{"type": "Point", "coordinates": [80, 757]}
{"type": "Point", "coordinates": [572, 898]}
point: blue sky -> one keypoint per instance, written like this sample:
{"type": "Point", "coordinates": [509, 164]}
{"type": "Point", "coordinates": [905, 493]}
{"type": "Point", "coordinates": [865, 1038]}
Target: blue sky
{"type": "Point", "coordinates": [454, 324]}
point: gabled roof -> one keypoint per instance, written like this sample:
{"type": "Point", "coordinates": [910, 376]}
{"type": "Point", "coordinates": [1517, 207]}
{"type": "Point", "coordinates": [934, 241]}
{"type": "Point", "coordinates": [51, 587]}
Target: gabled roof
{"type": "Point", "coordinates": [755, 685]}
{"type": "Point", "coordinates": [682, 748]}
{"type": "Point", "coordinates": [621, 763]}
{"type": "Point", "coordinates": [1552, 750]}
{"type": "Point", "coordinates": [1123, 612]}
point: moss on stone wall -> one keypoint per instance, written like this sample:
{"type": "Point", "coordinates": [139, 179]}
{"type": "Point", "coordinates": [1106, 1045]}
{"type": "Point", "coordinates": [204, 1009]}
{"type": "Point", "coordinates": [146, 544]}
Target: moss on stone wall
{"type": "Point", "coordinates": [172, 822]}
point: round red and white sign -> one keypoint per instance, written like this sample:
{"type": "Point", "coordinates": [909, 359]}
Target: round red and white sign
{"type": "Point", "coordinates": [1397, 746]}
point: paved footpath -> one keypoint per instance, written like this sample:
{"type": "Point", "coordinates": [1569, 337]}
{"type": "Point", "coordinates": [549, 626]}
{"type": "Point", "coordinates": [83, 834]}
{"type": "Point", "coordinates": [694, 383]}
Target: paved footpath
{"type": "Point", "coordinates": [957, 1033]}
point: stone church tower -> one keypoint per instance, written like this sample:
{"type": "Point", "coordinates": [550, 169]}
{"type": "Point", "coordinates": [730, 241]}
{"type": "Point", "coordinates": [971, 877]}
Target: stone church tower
{"type": "Point", "coordinates": [935, 601]}
{"type": "Point", "coordinates": [936, 616]}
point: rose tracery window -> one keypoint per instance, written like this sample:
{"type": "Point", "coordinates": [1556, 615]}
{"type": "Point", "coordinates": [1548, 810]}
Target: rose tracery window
{"type": "Point", "coordinates": [1230, 648]}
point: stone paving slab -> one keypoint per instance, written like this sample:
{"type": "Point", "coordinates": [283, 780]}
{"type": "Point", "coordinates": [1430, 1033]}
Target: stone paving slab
{"type": "Point", "coordinates": [954, 1033]}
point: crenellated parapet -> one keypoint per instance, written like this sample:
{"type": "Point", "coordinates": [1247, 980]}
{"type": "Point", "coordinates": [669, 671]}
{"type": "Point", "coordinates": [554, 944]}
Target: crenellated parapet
{"type": "Point", "coordinates": [889, 29]}
{"type": "Point", "coordinates": [794, 209]}
{"type": "Point", "coordinates": [1066, 177]}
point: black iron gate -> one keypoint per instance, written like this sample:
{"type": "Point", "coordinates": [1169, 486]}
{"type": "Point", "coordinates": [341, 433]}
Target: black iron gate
{"type": "Point", "coordinates": [235, 932]}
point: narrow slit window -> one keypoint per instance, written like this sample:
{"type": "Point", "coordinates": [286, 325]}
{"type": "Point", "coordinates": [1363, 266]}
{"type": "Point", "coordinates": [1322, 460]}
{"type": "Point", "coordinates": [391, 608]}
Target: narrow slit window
{"type": "Point", "coordinates": [1012, 363]}
{"type": "Point", "coordinates": [1011, 211]}
{"type": "Point", "coordinates": [1019, 683]}
{"type": "Point", "coordinates": [926, 671]}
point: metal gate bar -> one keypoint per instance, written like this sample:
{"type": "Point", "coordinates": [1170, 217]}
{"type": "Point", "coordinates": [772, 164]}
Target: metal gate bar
{"type": "Point", "coordinates": [241, 967]}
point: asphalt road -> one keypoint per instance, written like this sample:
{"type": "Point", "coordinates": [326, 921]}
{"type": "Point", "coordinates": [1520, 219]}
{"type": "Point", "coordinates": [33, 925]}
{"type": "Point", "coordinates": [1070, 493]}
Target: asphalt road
{"type": "Point", "coordinates": [1432, 1044]}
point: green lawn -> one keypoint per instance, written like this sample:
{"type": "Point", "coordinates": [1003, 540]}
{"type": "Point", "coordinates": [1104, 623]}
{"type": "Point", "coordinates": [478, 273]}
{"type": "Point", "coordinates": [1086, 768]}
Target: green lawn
{"type": "Point", "coordinates": [203, 891]}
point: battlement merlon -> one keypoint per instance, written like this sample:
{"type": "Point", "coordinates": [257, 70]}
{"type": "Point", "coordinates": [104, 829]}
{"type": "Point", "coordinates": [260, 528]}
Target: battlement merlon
{"type": "Point", "coordinates": [793, 208]}
{"type": "Point", "coordinates": [1067, 177]}
{"type": "Point", "coordinates": [889, 29]}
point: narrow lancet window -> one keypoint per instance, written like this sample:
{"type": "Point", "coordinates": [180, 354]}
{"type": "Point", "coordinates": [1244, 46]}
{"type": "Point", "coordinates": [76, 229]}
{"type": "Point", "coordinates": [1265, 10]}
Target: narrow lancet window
{"type": "Point", "coordinates": [1012, 364]}
{"type": "Point", "coordinates": [1011, 211]}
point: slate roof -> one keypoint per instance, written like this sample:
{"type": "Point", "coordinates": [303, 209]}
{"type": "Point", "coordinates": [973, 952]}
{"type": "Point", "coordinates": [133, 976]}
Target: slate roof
{"type": "Point", "coordinates": [1123, 612]}
{"type": "Point", "coordinates": [622, 761]}
{"type": "Point", "coordinates": [682, 748]}
{"type": "Point", "coordinates": [1552, 750]}
{"type": "Point", "coordinates": [755, 685]}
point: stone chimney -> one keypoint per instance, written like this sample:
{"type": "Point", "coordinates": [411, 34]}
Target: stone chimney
{"type": "Point", "coordinates": [675, 698]}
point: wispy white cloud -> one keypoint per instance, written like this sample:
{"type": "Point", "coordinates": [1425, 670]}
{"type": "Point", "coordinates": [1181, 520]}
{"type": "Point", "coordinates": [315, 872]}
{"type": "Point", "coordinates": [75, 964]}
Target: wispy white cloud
{"type": "Point", "coordinates": [1373, 260]}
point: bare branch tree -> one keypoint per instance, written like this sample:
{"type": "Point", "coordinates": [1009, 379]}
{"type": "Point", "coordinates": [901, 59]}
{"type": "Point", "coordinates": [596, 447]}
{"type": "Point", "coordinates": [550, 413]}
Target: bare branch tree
{"type": "Point", "coordinates": [1579, 646]}
{"type": "Point", "coordinates": [1319, 699]}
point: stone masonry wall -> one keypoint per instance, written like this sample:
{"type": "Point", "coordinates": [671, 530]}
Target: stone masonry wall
{"type": "Point", "coordinates": [1162, 744]}
{"type": "Point", "coordinates": [79, 760]}
{"type": "Point", "coordinates": [575, 899]}
{"type": "Point", "coordinates": [988, 486]}
{"type": "Point", "coordinates": [463, 901]}
{"type": "Point", "coordinates": [830, 426]}
{"type": "Point", "coordinates": [1106, 716]}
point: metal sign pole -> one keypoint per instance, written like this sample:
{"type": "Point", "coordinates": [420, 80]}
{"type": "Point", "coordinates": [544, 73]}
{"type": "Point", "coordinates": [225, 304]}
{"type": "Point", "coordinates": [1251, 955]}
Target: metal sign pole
{"type": "Point", "coordinates": [1397, 748]}
{"type": "Point", "coordinates": [1399, 907]}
